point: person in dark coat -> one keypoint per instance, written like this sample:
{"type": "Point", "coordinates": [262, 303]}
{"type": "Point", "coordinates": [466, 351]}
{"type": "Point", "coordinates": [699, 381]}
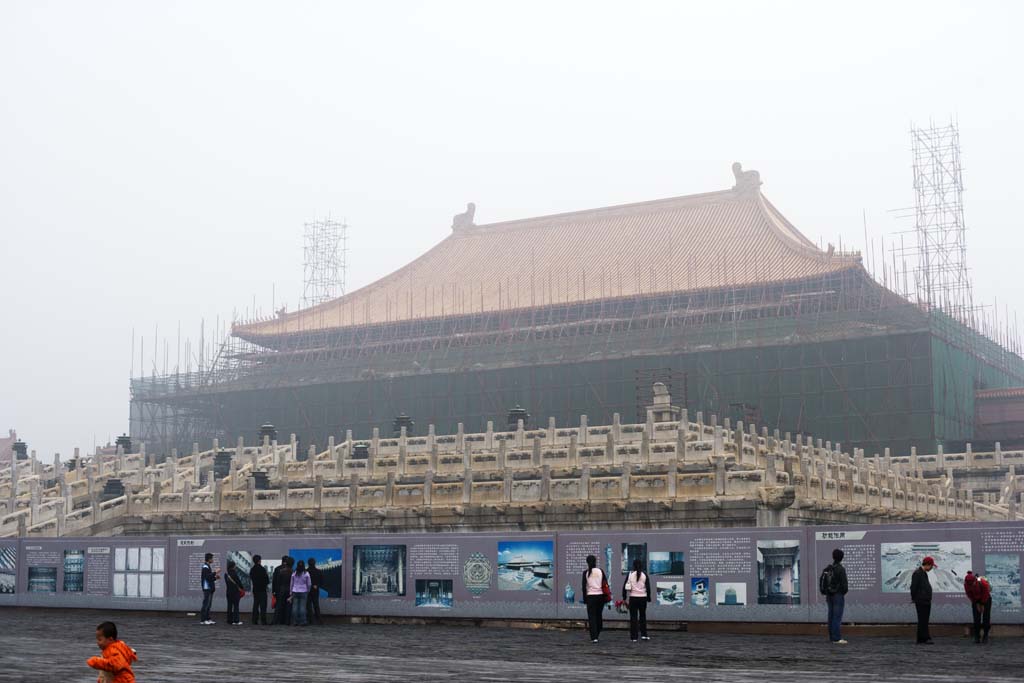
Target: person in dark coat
{"type": "Point", "coordinates": [208, 582]}
{"type": "Point", "coordinates": [835, 596]}
{"type": "Point", "coordinates": [636, 591]}
{"type": "Point", "coordinates": [234, 593]}
{"type": "Point", "coordinates": [921, 595]}
{"type": "Point", "coordinates": [316, 577]}
{"type": "Point", "coordinates": [259, 579]}
{"type": "Point", "coordinates": [281, 586]}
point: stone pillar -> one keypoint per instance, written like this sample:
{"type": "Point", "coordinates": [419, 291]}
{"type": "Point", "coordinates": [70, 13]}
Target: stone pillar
{"type": "Point", "coordinates": [574, 458]}
{"type": "Point", "coordinates": [218, 494]}
{"type": "Point", "coordinates": [311, 462]}
{"type": "Point", "coordinates": [616, 428]}
{"type": "Point", "coordinates": [624, 486]}
{"type": "Point", "coordinates": [460, 437]}
{"type": "Point", "coordinates": [467, 486]}
{"type": "Point", "coordinates": [999, 454]}
{"type": "Point", "coordinates": [970, 456]}
{"type": "Point", "coordinates": [551, 431]}
{"type": "Point", "coordinates": [282, 493]}
{"type": "Point", "coordinates": [719, 476]}
{"type": "Point", "coordinates": [609, 447]}
{"type": "Point", "coordinates": [506, 494]}
{"type": "Point", "coordinates": [353, 490]}
{"type": "Point", "coordinates": [769, 469]}
{"type": "Point", "coordinates": [645, 445]}
{"type": "Point", "coordinates": [940, 458]}
{"type": "Point", "coordinates": [250, 494]}
{"type": "Point", "coordinates": [428, 487]}
{"type": "Point", "coordinates": [186, 496]}
{"type": "Point", "coordinates": [585, 429]}
{"type": "Point", "coordinates": [545, 483]}
{"type": "Point", "coordinates": [431, 435]}
{"type": "Point", "coordinates": [434, 454]}
{"type": "Point", "coordinates": [489, 439]}
{"type": "Point", "coordinates": [520, 435]}
{"type": "Point", "coordinates": [673, 477]}
{"type": "Point", "coordinates": [389, 489]}
{"type": "Point", "coordinates": [293, 447]}
{"type": "Point", "coordinates": [585, 482]}
{"type": "Point", "coordinates": [375, 443]}
{"type": "Point", "coordinates": [282, 465]}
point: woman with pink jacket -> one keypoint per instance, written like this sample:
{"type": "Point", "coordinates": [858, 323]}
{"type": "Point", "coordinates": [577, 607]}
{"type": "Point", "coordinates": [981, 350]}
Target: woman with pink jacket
{"type": "Point", "coordinates": [637, 590]}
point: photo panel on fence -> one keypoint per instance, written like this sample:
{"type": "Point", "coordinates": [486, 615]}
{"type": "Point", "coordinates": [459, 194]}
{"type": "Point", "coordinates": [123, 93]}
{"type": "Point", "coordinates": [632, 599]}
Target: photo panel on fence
{"type": "Point", "coordinates": [496, 575]}
{"type": "Point", "coordinates": [90, 572]}
{"type": "Point", "coordinates": [712, 574]}
{"type": "Point", "coordinates": [327, 552]}
{"type": "Point", "coordinates": [880, 562]}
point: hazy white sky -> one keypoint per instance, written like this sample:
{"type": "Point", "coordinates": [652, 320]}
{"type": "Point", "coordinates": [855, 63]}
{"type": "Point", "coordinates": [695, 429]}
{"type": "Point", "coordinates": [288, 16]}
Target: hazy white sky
{"type": "Point", "coordinates": [158, 160]}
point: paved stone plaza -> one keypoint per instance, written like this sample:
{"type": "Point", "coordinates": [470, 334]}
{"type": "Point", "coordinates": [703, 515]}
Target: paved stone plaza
{"type": "Point", "coordinates": [53, 645]}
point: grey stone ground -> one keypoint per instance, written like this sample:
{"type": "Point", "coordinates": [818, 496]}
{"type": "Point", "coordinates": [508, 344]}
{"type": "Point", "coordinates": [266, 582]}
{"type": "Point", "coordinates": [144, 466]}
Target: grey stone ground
{"type": "Point", "coordinates": [51, 645]}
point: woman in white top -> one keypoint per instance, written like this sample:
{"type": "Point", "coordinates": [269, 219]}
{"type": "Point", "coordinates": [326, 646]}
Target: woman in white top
{"type": "Point", "coordinates": [637, 590]}
{"type": "Point", "coordinates": [593, 595]}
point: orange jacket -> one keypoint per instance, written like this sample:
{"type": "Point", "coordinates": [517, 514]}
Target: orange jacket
{"type": "Point", "coordinates": [117, 659]}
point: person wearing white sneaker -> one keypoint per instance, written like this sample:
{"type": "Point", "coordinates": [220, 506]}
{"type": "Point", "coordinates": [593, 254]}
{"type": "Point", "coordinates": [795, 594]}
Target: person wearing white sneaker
{"type": "Point", "coordinates": [833, 585]}
{"type": "Point", "coordinates": [637, 590]}
{"type": "Point", "coordinates": [208, 582]}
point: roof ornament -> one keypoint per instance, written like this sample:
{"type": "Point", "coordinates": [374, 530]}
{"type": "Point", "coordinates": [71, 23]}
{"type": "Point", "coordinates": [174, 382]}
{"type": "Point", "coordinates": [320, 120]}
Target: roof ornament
{"type": "Point", "coordinates": [746, 181]}
{"type": "Point", "coordinates": [463, 221]}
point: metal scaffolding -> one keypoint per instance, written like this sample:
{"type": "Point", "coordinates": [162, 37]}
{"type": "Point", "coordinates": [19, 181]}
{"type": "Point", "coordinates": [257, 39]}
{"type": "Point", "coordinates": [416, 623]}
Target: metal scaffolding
{"type": "Point", "coordinates": [325, 253]}
{"type": "Point", "coordinates": [942, 281]}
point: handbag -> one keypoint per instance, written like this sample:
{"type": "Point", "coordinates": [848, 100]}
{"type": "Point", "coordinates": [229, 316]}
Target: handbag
{"type": "Point", "coordinates": [606, 589]}
{"type": "Point", "coordinates": [241, 592]}
{"type": "Point", "coordinates": [273, 602]}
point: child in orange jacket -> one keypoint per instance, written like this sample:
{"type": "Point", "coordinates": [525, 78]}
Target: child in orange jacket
{"type": "Point", "coordinates": [115, 665]}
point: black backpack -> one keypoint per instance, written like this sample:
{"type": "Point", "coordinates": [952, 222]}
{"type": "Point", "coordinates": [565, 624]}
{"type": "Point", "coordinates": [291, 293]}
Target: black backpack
{"type": "Point", "coordinates": [826, 580]}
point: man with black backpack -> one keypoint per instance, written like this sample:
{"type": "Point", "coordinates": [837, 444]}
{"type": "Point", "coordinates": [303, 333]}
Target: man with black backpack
{"type": "Point", "coordinates": [833, 586]}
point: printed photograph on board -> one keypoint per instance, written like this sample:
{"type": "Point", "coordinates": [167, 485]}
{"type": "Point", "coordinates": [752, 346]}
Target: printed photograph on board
{"type": "Point", "coordinates": [952, 562]}
{"type": "Point", "coordinates": [778, 572]}
{"type": "Point", "coordinates": [671, 593]}
{"type": "Point", "coordinates": [1003, 573]}
{"type": "Point", "coordinates": [526, 565]}
{"type": "Point", "coordinates": [74, 571]}
{"type": "Point", "coordinates": [631, 552]}
{"type": "Point", "coordinates": [8, 568]}
{"type": "Point", "coordinates": [700, 591]}
{"type": "Point", "coordinates": [42, 579]}
{"type": "Point", "coordinates": [328, 561]}
{"type": "Point", "coordinates": [662, 562]}
{"type": "Point", "coordinates": [378, 570]}
{"type": "Point", "coordinates": [434, 593]}
{"type": "Point", "coordinates": [243, 560]}
{"type": "Point", "coordinates": [730, 594]}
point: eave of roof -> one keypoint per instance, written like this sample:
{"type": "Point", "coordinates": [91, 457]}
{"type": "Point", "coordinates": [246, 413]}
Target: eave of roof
{"type": "Point", "coordinates": [729, 238]}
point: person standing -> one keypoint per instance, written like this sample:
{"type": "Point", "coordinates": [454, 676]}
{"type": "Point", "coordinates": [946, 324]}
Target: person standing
{"type": "Point", "coordinates": [637, 591]}
{"type": "Point", "coordinates": [594, 582]}
{"type": "Point", "coordinates": [259, 580]}
{"type": "Point", "coordinates": [834, 586]}
{"type": "Point", "coordinates": [316, 579]}
{"type": "Point", "coordinates": [979, 592]}
{"type": "Point", "coordinates": [921, 595]}
{"type": "Point", "coordinates": [280, 587]}
{"type": "Point", "coordinates": [298, 596]}
{"type": "Point", "coordinates": [208, 582]}
{"type": "Point", "coordinates": [234, 593]}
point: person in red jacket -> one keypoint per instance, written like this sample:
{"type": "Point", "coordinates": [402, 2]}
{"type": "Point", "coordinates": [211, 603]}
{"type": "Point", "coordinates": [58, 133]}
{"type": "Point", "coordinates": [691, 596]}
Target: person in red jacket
{"type": "Point", "coordinates": [115, 664]}
{"type": "Point", "coordinates": [979, 592]}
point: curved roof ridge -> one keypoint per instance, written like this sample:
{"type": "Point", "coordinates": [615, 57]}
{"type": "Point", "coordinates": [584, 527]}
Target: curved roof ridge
{"type": "Point", "coordinates": [561, 218]}
{"type": "Point", "coordinates": [733, 237]}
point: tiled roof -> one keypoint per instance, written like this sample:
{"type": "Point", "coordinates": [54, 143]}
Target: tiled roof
{"type": "Point", "coordinates": [731, 238]}
{"type": "Point", "coordinates": [1010, 392]}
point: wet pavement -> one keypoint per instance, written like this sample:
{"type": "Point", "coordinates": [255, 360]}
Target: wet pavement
{"type": "Point", "coordinates": [52, 645]}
